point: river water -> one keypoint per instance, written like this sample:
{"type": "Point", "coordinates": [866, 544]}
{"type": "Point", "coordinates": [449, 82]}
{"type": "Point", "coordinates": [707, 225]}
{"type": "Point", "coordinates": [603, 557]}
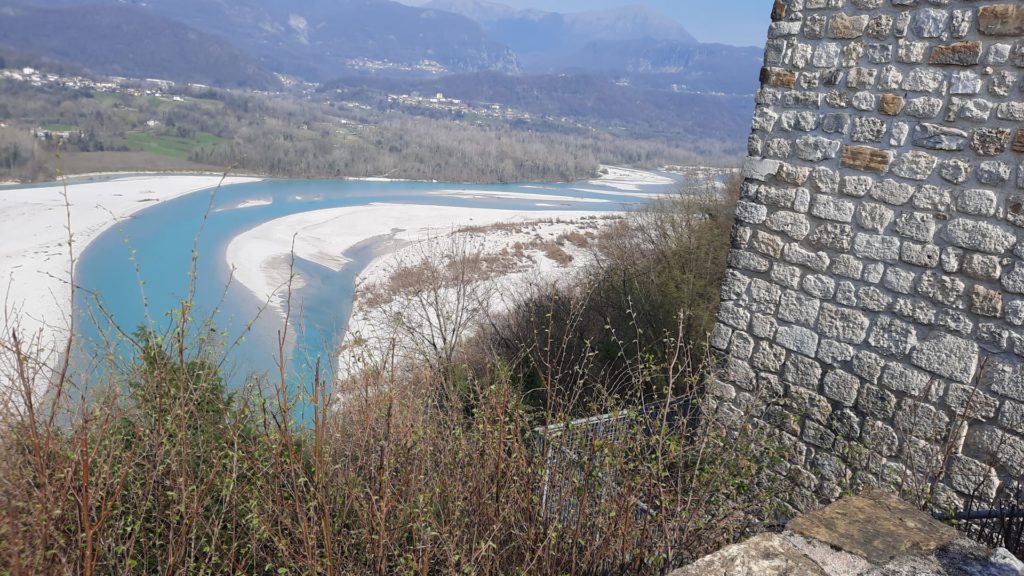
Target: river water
{"type": "Point", "coordinates": [137, 273]}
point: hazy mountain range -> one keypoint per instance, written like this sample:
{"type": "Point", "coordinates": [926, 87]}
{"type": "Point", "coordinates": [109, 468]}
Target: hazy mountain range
{"type": "Point", "coordinates": [244, 42]}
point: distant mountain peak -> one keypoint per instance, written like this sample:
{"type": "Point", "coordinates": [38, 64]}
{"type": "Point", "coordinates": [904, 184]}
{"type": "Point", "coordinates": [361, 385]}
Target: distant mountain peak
{"type": "Point", "coordinates": [634, 21]}
{"type": "Point", "coordinates": [628, 22]}
{"type": "Point", "coordinates": [480, 10]}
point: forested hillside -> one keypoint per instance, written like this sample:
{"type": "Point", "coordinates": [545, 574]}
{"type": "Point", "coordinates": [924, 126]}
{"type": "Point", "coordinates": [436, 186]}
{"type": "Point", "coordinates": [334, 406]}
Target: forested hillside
{"type": "Point", "coordinates": [127, 41]}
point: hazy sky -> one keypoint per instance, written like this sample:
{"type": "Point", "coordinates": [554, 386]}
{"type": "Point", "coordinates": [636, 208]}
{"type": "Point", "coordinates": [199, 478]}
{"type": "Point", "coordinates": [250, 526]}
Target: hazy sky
{"type": "Point", "coordinates": [739, 22]}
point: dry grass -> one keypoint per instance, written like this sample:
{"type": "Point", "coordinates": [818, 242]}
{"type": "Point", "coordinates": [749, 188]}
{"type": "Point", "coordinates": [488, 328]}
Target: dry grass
{"type": "Point", "coordinates": [555, 253]}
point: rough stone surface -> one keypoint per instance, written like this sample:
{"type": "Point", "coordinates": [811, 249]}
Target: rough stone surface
{"type": "Point", "coordinates": [884, 198]}
{"type": "Point", "coordinates": [765, 555]}
{"type": "Point", "coordinates": [873, 534]}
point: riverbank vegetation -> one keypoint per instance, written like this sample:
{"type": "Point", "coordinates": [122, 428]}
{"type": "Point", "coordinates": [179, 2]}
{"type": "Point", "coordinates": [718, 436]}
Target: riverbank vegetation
{"type": "Point", "coordinates": [478, 463]}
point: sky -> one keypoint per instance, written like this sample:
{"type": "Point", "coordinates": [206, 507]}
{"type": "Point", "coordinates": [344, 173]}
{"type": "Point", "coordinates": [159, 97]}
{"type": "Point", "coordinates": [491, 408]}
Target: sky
{"type": "Point", "coordinates": [737, 22]}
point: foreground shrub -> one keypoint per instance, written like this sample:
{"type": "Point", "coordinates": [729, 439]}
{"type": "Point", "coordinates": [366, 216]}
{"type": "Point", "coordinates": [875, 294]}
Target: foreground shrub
{"type": "Point", "coordinates": [167, 472]}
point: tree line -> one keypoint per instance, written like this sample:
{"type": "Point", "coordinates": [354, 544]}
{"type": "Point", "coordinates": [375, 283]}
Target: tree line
{"type": "Point", "coordinates": [290, 136]}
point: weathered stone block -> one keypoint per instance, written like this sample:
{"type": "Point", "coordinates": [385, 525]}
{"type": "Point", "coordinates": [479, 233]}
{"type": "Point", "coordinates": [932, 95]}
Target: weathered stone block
{"type": "Point", "coordinates": [798, 308]}
{"type": "Point", "coordinates": [819, 286]}
{"type": "Point", "coordinates": [915, 165]}
{"type": "Point", "coordinates": [816, 148]}
{"type": "Point", "coordinates": [977, 202]}
{"type": "Point", "coordinates": [845, 27]}
{"type": "Point", "coordinates": [793, 224]}
{"type": "Point", "coordinates": [1013, 280]}
{"type": "Point", "coordinates": [873, 299]}
{"type": "Point", "coordinates": [982, 266]}
{"type": "Point", "coordinates": [875, 247]}
{"type": "Point", "coordinates": [933, 198]}
{"type": "Point", "coordinates": [965, 82]}
{"type": "Point", "coordinates": [990, 141]}
{"type": "Point", "coordinates": [899, 280]}
{"type": "Point", "coordinates": [980, 236]}
{"type": "Point", "coordinates": [767, 244]}
{"type": "Point", "coordinates": [923, 255]}
{"type": "Point", "coordinates": [867, 159]}
{"type": "Point", "coordinates": [841, 386]}
{"type": "Point", "coordinates": [993, 173]}
{"type": "Point", "coordinates": [802, 371]}
{"type": "Point", "coordinates": [817, 261]}
{"type": "Point", "coordinates": [768, 357]}
{"type": "Point", "coordinates": [834, 209]}
{"type": "Point", "coordinates": [734, 284]}
{"type": "Point", "coordinates": [836, 123]}
{"type": "Point", "coordinates": [971, 402]}
{"type": "Point", "coordinates": [986, 302]}
{"type": "Point", "coordinates": [958, 54]}
{"type": "Point", "coordinates": [904, 379]}
{"type": "Point", "coordinates": [1015, 312]}
{"type": "Point", "coordinates": [955, 170]}
{"type": "Point", "coordinates": [868, 129]}
{"type": "Point", "coordinates": [880, 437]}
{"type": "Point", "coordinates": [741, 346]}
{"type": "Point", "coordinates": [893, 192]}
{"type": "Point", "coordinates": [948, 356]}
{"type": "Point", "coordinates": [918, 226]}
{"type": "Point", "coordinates": [890, 104]}
{"type": "Point", "coordinates": [834, 353]}
{"type": "Point", "coordinates": [874, 217]}
{"type": "Point", "coordinates": [879, 26]}
{"type": "Point", "coordinates": [973, 478]}
{"type": "Point", "coordinates": [759, 168]}
{"type": "Point", "coordinates": [843, 324]}
{"type": "Point", "coordinates": [832, 236]}
{"type": "Point", "coordinates": [798, 339]}
{"type": "Point", "coordinates": [893, 337]}
{"type": "Point", "coordinates": [1015, 210]}
{"type": "Point", "coordinates": [915, 310]}
{"type": "Point", "coordinates": [1011, 416]}
{"type": "Point", "coordinates": [750, 212]}
{"type": "Point", "coordinates": [922, 421]}
{"type": "Point", "coordinates": [940, 288]}
{"type": "Point", "coordinates": [1004, 378]}
{"type": "Point", "coordinates": [936, 137]}
{"type": "Point", "coordinates": [929, 22]}
{"type": "Point", "coordinates": [762, 297]}
{"type": "Point", "coordinates": [847, 266]}
{"type": "Point", "coordinates": [846, 294]}
{"type": "Point", "coordinates": [1001, 20]}
{"type": "Point", "coordinates": [784, 275]}
{"type": "Point", "coordinates": [743, 260]}
{"type": "Point", "coordinates": [924, 107]}
{"type": "Point", "coordinates": [923, 79]}
{"type": "Point", "coordinates": [876, 402]}
{"type": "Point", "coordinates": [780, 77]}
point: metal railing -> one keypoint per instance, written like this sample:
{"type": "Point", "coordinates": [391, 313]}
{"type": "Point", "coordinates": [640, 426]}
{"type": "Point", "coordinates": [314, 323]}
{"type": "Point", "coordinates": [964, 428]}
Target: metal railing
{"type": "Point", "coordinates": [998, 524]}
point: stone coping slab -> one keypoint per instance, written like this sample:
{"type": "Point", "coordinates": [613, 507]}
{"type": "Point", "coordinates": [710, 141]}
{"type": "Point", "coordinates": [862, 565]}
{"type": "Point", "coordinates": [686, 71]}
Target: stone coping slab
{"type": "Point", "coordinates": [877, 526]}
{"type": "Point", "coordinates": [874, 534]}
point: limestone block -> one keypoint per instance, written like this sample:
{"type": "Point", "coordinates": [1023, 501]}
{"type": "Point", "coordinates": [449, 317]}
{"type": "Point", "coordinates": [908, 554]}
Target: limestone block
{"type": "Point", "coordinates": [867, 159]}
{"type": "Point", "coordinates": [893, 337]}
{"type": "Point", "coordinates": [1001, 20]}
{"type": "Point", "coordinates": [948, 356]}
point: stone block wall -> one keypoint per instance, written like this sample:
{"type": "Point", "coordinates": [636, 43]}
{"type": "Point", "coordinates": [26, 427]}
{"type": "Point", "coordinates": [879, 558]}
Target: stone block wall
{"type": "Point", "coordinates": [873, 310]}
